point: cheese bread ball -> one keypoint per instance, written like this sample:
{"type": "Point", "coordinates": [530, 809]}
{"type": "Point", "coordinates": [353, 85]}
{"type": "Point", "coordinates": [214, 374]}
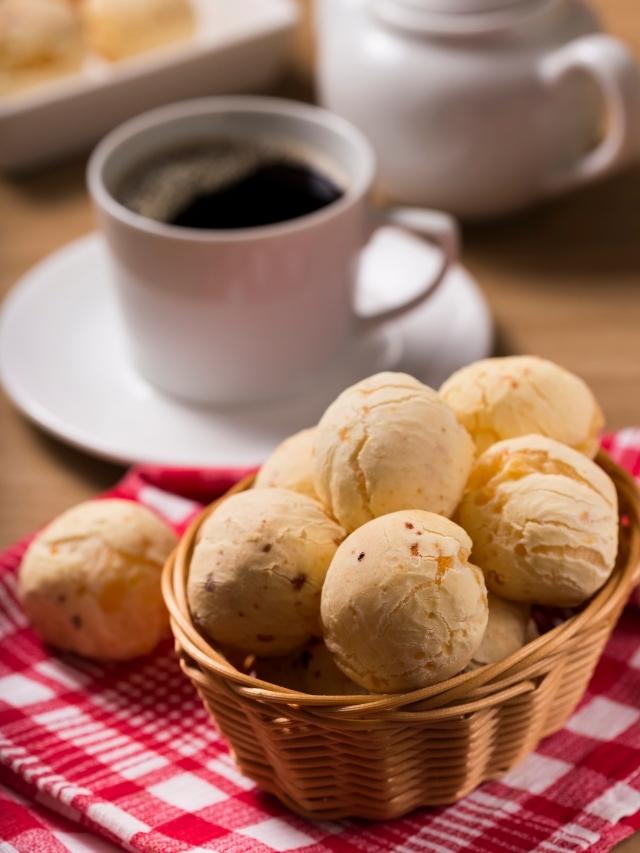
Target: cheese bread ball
{"type": "Point", "coordinates": [500, 398]}
{"type": "Point", "coordinates": [257, 571]}
{"type": "Point", "coordinates": [509, 628]}
{"type": "Point", "coordinates": [402, 607]}
{"type": "Point", "coordinates": [290, 466]}
{"type": "Point", "coordinates": [120, 28]}
{"type": "Point", "coordinates": [389, 443]}
{"type": "Point", "coordinates": [90, 581]}
{"type": "Point", "coordinates": [543, 519]}
{"type": "Point", "coordinates": [38, 39]}
{"type": "Point", "coordinates": [310, 670]}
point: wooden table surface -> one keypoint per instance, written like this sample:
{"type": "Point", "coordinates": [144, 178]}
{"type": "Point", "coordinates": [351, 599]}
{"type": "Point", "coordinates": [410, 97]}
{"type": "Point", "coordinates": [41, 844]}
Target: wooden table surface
{"type": "Point", "coordinates": [563, 281]}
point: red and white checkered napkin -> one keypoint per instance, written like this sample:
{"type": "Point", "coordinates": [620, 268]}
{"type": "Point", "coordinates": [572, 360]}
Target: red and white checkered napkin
{"type": "Point", "coordinates": [127, 752]}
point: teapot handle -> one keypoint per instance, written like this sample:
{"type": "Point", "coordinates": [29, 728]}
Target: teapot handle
{"type": "Point", "coordinates": [613, 68]}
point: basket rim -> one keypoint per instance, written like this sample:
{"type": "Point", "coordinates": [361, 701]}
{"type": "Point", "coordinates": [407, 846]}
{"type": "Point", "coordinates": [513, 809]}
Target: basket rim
{"type": "Point", "coordinates": [463, 693]}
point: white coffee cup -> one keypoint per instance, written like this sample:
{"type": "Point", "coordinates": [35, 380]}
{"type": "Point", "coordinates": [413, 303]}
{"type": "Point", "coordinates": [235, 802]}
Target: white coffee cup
{"type": "Point", "coordinates": [226, 316]}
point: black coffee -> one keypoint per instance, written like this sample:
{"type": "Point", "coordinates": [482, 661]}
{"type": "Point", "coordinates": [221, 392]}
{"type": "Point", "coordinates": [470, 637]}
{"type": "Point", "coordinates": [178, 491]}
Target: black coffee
{"type": "Point", "coordinates": [227, 184]}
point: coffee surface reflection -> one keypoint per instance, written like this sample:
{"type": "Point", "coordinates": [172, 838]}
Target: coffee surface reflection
{"type": "Point", "coordinates": [226, 184]}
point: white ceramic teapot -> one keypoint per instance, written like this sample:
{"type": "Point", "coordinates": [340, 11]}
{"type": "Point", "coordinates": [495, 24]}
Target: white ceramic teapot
{"type": "Point", "coordinates": [479, 107]}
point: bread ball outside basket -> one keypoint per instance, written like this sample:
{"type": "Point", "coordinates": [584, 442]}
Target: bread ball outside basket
{"type": "Point", "coordinates": [381, 756]}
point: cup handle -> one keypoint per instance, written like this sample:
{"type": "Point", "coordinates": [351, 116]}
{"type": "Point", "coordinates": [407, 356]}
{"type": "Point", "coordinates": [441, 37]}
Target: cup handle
{"type": "Point", "coordinates": [437, 228]}
{"type": "Point", "coordinates": [613, 68]}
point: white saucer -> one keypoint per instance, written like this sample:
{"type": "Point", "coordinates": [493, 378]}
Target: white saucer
{"type": "Point", "coordinates": [63, 362]}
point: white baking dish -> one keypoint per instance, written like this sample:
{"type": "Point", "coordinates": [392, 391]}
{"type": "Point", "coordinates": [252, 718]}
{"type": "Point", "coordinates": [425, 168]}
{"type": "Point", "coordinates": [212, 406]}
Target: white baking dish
{"type": "Point", "coordinates": [238, 46]}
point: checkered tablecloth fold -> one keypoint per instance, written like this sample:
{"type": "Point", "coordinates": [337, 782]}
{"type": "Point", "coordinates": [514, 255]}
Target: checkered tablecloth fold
{"type": "Point", "coordinates": [126, 752]}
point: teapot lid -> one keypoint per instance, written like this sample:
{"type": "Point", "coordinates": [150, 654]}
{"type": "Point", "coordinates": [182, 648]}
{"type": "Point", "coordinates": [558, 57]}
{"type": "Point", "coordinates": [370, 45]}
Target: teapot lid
{"type": "Point", "coordinates": [455, 16]}
{"type": "Point", "coordinates": [461, 7]}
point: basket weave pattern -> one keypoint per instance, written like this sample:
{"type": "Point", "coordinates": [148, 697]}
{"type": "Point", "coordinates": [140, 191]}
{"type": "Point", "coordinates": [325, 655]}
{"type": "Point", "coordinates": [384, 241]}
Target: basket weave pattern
{"type": "Point", "coordinates": [382, 756]}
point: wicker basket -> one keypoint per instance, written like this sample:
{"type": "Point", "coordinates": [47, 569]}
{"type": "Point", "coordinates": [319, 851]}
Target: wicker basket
{"type": "Point", "coordinates": [329, 757]}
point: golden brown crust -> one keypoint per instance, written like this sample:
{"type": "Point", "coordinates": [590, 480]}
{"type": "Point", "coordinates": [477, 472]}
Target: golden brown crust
{"type": "Point", "coordinates": [90, 582]}
{"type": "Point", "coordinates": [257, 570]}
{"type": "Point", "coordinates": [402, 607]}
{"type": "Point", "coordinates": [543, 519]}
{"type": "Point", "coordinates": [389, 443]}
{"type": "Point", "coordinates": [500, 398]}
